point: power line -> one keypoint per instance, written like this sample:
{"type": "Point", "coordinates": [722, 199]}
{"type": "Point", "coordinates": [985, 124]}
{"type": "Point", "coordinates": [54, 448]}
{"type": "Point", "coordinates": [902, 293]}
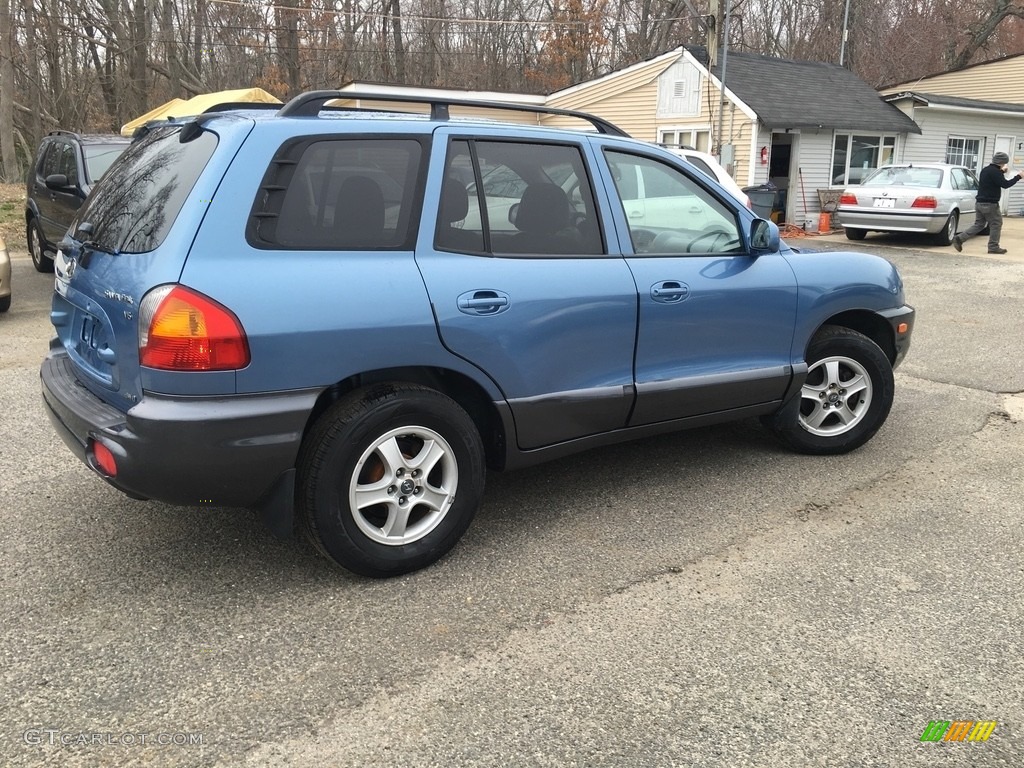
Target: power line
{"type": "Point", "coordinates": [445, 19]}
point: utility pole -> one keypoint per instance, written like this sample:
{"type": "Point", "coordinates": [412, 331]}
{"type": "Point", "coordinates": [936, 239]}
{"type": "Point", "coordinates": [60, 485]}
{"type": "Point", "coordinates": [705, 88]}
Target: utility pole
{"type": "Point", "coordinates": [846, 21]}
{"type": "Point", "coordinates": [718, 51]}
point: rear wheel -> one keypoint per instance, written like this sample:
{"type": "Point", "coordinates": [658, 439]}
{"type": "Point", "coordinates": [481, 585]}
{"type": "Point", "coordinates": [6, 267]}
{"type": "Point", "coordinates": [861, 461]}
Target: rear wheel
{"type": "Point", "coordinates": [35, 247]}
{"type": "Point", "coordinates": [855, 234]}
{"type": "Point", "coordinates": [845, 398]}
{"type": "Point", "coordinates": [945, 237]}
{"type": "Point", "coordinates": [5, 303]}
{"type": "Point", "coordinates": [390, 478]}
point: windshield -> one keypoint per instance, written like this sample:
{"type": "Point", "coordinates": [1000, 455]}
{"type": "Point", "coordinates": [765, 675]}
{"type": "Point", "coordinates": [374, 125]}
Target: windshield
{"type": "Point", "coordinates": [134, 207]}
{"type": "Point", "coordinates": [907, 176]}
{"type": "Point", "coordinates": [99, 157]}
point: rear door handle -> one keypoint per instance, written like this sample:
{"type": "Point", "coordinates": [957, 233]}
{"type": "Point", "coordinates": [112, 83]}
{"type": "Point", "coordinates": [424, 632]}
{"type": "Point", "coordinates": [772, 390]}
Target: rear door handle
{"type": "Point", "coordinates": [483, 302]}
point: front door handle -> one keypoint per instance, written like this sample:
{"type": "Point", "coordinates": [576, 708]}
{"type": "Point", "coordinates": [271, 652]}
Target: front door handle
{"type": "Point", "coordinates": [669, 291]}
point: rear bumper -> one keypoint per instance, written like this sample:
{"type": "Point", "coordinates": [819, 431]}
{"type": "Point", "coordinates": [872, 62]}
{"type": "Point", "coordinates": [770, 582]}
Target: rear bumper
{"type": "Point", "coordinates": [892, 221]}
{"type": "Point", "coordinates": [226, 451]}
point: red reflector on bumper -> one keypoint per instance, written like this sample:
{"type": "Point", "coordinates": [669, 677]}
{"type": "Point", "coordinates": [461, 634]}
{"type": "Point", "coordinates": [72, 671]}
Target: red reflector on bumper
{"type": "Point", "coordinates": [104, 459]}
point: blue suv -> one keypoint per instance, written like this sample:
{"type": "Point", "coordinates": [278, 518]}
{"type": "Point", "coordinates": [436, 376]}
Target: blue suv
{"type": "Point", "coordinates": [344, 318]}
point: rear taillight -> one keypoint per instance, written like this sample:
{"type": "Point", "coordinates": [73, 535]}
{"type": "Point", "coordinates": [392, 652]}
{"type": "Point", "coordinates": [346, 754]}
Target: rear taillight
{"type": "Point", "coordinates": [181, 330]}
{"type": "Point", "coordinates": [925, 201]}
{"type": "Point", "coordinates": [847, 199]}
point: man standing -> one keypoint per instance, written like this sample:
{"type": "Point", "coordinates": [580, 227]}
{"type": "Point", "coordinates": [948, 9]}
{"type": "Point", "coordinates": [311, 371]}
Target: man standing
{"type": "Point", "coordinates": [991, 183]}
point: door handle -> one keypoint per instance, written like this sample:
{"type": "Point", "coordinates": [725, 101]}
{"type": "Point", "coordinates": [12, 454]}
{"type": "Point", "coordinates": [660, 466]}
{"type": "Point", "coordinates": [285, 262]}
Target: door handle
{"type": "Point", "coordinates": [484, 302]}
{"type": "Point", "coordinates": [669, 291]}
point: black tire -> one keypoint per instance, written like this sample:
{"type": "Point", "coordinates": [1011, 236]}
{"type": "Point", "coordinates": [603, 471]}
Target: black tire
{"type": "Point", "coordinates": [5, 304]}
{"type": "Point", "coordinates": [845, 398]}
{"type": "Point", "coordinates": [855, 234]}
{"type": "Point", "coordinates": [34, 237]}
{"type": "Point", "coordinates": [355, 444]}
{"type": "Point", "coordinates": [945, 237]}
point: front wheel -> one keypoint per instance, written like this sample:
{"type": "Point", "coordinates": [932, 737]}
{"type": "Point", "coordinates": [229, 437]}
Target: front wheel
{"type": "Point", "coordinates": [845, 398]}
{"type": "Point", "coordinates": [945, 237]}
{"type": "Point", "coordinates": [390, 478]}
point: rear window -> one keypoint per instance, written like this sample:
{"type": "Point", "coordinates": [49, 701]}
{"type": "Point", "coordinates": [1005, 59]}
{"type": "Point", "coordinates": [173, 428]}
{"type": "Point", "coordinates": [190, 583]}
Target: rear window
{"type": "Point", "coordinates": [906, 177]}
{"type": "Point", "coordinates": [352, 193]}
{"type": "Point", "coordinates": [134, 208]}
{"type": "Point", "coordinates": [698, 163]}
{"type": "Point", "coordinates": [99, 157]}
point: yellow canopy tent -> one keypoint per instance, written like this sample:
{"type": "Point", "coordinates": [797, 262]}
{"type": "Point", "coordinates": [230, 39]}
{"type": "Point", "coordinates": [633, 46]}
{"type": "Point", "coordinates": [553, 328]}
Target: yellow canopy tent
{"type": "Point", "coordinates": [199, 104]}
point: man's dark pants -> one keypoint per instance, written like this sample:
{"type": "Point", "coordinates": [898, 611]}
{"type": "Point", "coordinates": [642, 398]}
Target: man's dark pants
{"type": "Point", "coordinates": [986, 215]}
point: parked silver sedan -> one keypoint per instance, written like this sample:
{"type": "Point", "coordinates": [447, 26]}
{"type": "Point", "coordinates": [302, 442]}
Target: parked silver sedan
{"type": "Point", "coordinates": [914, 197]}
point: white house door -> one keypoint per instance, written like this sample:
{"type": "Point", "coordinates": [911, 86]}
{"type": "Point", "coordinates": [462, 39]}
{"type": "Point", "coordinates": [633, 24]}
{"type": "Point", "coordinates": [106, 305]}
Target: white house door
{"type": "Point", "coordinates": [1005, 144]}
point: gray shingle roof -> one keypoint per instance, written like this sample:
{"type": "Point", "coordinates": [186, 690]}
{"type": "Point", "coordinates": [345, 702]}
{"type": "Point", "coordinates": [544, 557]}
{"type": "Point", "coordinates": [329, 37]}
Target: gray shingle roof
{"type": "Point", "coordinates": [949, 101]}
{"type": "Point", "coordinates": [809, 94]}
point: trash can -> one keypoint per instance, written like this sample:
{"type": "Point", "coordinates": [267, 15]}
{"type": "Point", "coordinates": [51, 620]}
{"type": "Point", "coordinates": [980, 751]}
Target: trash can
{"type": "Point", "coordinates": [762, 199]}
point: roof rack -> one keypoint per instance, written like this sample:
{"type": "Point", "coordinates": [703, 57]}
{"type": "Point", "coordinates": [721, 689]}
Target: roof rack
{"type": "Point", "coordinates": [310, 103]}
{"type": "Point", "coordinates": [229, 105]}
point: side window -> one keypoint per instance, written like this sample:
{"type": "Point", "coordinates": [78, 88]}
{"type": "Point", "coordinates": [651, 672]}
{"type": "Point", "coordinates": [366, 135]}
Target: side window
{"type": "Point", "coordinates": [958, 179]}
{"type": "Point", "coordinates": [69, 163]}
{"type": "Point", "coordinates": [672, 213]}
{"type": "Point", "coordinates": [972, 180]}
{"type": "Point", "coordinates": [339, 194]}
{"type": "Point", "coordinates": [522, 199]}
{"type": "Point", "coordinates": [51, 160]}
{"type": "Point", "coordinates": [459, 223]}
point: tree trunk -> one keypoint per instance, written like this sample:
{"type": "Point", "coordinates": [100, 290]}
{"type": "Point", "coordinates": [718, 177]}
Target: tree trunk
{"type": "Point", "coordinates": [32, 64]}
{"type": "Point", "coordinates": [396, 31]}
{"type": "Point", "coordinates": [10, 172]}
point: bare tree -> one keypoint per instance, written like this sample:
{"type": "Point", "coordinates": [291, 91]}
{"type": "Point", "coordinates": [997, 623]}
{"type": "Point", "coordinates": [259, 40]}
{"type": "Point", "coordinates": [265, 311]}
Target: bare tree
{"type": "Point", "coordinates": [9, 168]}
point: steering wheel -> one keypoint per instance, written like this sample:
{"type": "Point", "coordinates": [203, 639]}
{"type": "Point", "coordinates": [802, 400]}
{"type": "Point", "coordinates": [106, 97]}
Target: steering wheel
{"type": "Point", "coordinates": [715, 234]}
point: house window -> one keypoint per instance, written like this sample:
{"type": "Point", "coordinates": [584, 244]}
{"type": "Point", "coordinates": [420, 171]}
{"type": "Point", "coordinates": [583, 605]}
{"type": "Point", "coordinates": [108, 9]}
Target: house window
{"type": "Point", "coordinates": [855, 156]}
{"type": "Point", "coordinates": [964, 151]}
{"type": "Point", "coordinates": [685, 137]}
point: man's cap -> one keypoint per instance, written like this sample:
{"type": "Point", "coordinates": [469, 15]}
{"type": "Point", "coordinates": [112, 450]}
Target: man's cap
{"type": "Point", "coordinates": [1000, 158]}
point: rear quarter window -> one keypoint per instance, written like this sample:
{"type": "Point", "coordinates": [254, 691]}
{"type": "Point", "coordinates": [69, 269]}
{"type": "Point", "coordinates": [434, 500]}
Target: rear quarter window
{"type": "Point", "coordinates": [351, 193]}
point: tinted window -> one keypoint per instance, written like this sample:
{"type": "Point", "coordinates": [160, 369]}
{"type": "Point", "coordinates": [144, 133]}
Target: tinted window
{"type": "Point", "coordinates": [529, 198]}
{"type": "Point", "coordinates": [50, 163]}
{"type": "Point", "coordinates": [133, 209]}
{"type": "Point", "coordinates": [68, 163]}
{"type": "Point", "coordinates": [99, 157]}
{"type": "Point", "coordinates": [342, 194]}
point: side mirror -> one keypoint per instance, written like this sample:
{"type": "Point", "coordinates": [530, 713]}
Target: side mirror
{"type": "Point", "coordinates": [764, 236]}
{"type": "Point", "coordinates": [57, 181]}
{"type": "Point", "coordinates": [513, 213]}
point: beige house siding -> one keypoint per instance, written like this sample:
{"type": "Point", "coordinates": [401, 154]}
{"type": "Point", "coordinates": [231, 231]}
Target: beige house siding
{"type": "Point", "coordinates": [511, 116]}
{"type": "Point", "coordinates": [618, 83]}
{"type": "Point", "coordinates": [737, 128]}
{"type": "Point", "coordinates": [991, 81]}
{"type": "Point", "coordinates": [631, 110]}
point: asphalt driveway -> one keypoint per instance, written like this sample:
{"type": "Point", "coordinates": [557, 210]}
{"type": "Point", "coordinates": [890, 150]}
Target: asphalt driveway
{"type": "Point", "coordinates": [703, 599]}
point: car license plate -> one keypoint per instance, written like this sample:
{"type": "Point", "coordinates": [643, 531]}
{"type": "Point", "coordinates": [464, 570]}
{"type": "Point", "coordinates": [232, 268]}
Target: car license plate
{"type": "Point", "coordinates": [885, 202]}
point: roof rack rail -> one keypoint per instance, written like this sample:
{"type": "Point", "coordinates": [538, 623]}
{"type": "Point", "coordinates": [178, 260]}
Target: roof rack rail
{"type": "Point", "coordinates": [310, 103]}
